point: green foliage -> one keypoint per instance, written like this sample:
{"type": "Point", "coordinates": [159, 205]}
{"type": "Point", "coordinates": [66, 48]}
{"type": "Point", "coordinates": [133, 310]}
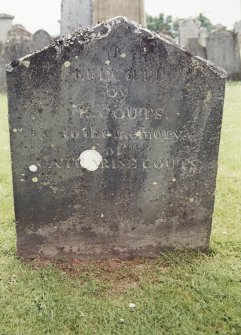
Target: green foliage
{"type": "Point", "coordinates": [205, 22]}
{"type": "Point", "coordinates": [167, 24]}
{"type": "Point", "coordinates": [162, 24]}
{"type": "Point", "coordinates": [179, 293]}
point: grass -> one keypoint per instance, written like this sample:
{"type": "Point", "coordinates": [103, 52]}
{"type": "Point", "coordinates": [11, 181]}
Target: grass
{"type": "Point", "coordinates": [178, 293]}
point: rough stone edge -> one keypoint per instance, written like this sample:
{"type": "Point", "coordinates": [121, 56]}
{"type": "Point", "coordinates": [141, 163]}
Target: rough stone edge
{"type": "Point", "coordinates": [91, 33]}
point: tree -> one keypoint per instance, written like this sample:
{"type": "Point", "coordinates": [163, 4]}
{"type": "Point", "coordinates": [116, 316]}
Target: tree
{"type": "Point", "coordinates": [205, 22]}
{"type": "Point", "coordinates": [161, 23]}
{"type": "Point", "coordinates": [166, 24]}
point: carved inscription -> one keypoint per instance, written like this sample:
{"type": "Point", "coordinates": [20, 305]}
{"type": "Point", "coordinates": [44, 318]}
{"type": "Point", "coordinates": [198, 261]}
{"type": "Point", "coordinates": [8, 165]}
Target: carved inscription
{"type": "Point", "coordinates": [118, 75]}
{"type": "Point", "coordinates": [83, 110]}
{"type": "Point", "coordinates": [118, 110]}
{"type": "Point", "coordinates": [120, 162]}
{"type": "Point", "coordinates": [140, 134]}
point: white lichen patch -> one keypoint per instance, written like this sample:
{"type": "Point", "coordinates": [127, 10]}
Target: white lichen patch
{"type": "Point", "coordinates": [90, 160]}
{"type": "Point", "coordinates": [26, 63]}
{"type": "Point", "coordinates": [34, 179]}
{"type": "Point", "coordinates": [33, 168]}
{"type": "Point", "coordinates": [107, 62]}
{"type": "Point", "coordinates": [138, 133]}
{"type": "Point", "coordinates": [67, 64]}
{"type": "Point", "coordinates": [54, 189]}
{"type": "Point", "coordinates": [46, 183]}
{"type": "Point", "coordinates": [9, 68]}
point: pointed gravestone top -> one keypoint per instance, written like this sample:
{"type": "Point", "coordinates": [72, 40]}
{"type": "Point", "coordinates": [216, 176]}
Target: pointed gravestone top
{"type": "Point", "coordinates": [114, 139]}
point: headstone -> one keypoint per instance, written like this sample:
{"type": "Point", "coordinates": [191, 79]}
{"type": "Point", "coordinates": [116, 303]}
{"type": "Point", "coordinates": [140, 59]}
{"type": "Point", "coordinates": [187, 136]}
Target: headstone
{"type": "Point", "coordinates": [237, 28]}
{"type": "Point", "coordinates": [3, 62]}
{"type": "Point", "coordinates": [41, 39]}
{"type": "Point", "coordinates": [106, 9]}
{"type": "Point", "coordinates": [5, 26]}
{"type": "Point", "coordinates": [75, 14]}
{"type": "Point", "coordinates": [217, 27]}
{"type": "Point", "coordinates": [19, 42]}
{"type": "Point", "coordinates": [188, 28]}
{"type": "Point", "coordinates": [203, 35]}
{"type": "Point", "coordinates": [223, 49]}
{"type": "Point", "coordinates": [114, 139]}
{"type": "Point", "coordinates": [194, 46]}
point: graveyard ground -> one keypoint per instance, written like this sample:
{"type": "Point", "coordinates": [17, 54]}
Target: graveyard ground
{"type": "Point", "coordinates": [179, 293]}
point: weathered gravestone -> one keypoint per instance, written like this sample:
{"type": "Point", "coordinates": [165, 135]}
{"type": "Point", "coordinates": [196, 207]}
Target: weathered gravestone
{"type": "Point", "coordinates": [5, 26]}
{"type": "Point", "coordinates": [223, 48]}
{"type": "Point", "coordinates": [106, 9]}
{"type": "Point", "coordinates": [194, 46]}
{"type": "Point", "coordinates": [188, 28]}
{"type": "Point", "coordinates": [41, 39]}
{"type": "Point", "coordinates": [114, 138]}
{"type": "Point", "coordinates": [75, 14]}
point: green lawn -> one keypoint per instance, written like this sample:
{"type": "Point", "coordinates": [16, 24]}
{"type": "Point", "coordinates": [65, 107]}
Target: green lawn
{"type": "Point", "coordinates": [181, 293]}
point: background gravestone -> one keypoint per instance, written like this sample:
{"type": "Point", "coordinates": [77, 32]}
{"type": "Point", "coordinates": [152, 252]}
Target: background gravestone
{"type": "Point", "coordinates": [114, 139]}
{"type": "Point", "coordinates": [75, 14]}
{"type": "Point", "coordinates": [19, 42]}
{"type": "Point", "coordinates": [194, 46]}
{"type": "Point", "coordinates": [41, 39]}
{"type": "Point", "coordinates": [223, 48]}
{"type": "Point", "coordinates": [5, 26]}
{"type": "Point", "coordinates": [106, 9]}
{"type": "Point", "coordinates": [189, 28]}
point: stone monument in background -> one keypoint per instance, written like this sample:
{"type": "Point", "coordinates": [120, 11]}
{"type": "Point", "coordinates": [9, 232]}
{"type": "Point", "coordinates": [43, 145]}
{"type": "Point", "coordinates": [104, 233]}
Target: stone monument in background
{"type": "Point", "coordinates": [223, 48]}
{"type": "Point", "coordinates": [194, 46]}
{"type": "Point", "coordinates": [114, 139]}
{"type": "Point", "coordinates": [41, 39]}
{"type": "Point", "coordinates": [6, 22]}
{"type": "Point", "coordinates": [188, 28]}
{"type": "Point", "coordinates": [75, 14]}
{"type": "Point", "coordinates": [19, 42]}
{"type": "Point", "coordinates": [106, 9]}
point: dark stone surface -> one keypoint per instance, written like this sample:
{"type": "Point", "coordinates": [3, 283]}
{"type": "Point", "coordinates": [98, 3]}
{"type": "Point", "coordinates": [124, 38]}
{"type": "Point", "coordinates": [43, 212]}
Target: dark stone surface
{"type": "Point", "coordinates": [151, 111]}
